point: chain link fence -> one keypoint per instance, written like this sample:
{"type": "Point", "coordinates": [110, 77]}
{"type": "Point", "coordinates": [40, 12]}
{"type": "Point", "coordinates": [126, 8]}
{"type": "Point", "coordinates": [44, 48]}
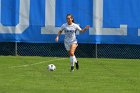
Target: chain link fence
{"type": "Point", "coordinates": [58, 50]}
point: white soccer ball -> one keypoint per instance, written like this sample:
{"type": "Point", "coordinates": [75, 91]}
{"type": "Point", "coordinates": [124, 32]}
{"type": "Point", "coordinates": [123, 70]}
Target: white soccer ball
{"type": "Point", "coordinates": [51, 67]}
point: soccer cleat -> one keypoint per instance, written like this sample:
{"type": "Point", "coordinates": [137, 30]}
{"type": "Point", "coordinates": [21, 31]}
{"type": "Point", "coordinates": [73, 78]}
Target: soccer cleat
{"type": "Point", "coordinates": [77, 65]}
{"type": "Point", "coordinates": [72, 68]}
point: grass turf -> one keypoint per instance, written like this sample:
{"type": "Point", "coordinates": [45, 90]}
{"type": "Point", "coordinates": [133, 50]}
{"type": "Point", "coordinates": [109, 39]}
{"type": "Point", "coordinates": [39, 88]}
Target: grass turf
{"type": "Point", "coordinates": [20, 74]}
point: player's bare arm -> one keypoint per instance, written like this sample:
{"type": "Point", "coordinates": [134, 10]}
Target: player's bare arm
{"type": "Point", "coordinates": [57, 37]}
{"type": "Point", "coordinates": [86, 28]}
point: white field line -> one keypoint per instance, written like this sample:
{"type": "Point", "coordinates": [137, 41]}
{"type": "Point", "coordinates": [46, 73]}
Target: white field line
{"type": "Point", "coordinates": [36, 63]}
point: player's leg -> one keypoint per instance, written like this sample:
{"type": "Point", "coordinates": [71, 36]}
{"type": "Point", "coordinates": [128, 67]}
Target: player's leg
{"type": "Point", "coordinates": [72, 55]}
{"type": "Point", "coordinates": [72, 49]}
{"type": "Point", "coordinates": [67, 46]}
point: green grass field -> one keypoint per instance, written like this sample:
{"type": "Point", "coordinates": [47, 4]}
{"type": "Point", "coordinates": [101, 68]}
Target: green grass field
{"type": "Point", "coordinates": [30, 75]}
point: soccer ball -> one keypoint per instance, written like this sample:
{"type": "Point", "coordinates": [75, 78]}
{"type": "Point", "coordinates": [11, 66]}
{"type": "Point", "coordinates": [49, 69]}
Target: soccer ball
{"type": "Point", "coordinates": [51, 67]}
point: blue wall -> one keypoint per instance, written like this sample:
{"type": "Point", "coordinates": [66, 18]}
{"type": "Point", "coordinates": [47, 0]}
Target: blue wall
{"type": "Point", "coordinates": [115, 13]}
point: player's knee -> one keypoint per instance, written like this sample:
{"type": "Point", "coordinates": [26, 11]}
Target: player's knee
{"type": "Point", "coordinates": [71, 53]}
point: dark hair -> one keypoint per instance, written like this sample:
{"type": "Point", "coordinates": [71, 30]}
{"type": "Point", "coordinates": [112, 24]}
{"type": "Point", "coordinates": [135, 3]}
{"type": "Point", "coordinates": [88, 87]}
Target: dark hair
{"type": "Point", "coordinates": [71, 17]}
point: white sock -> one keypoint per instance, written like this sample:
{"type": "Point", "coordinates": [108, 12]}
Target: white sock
{"type": "Point", "coordinates": [72, 60]}
{"type": "Point", "coordinates": [75, 60]}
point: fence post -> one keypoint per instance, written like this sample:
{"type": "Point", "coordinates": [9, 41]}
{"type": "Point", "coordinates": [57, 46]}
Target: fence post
{"type": "Point", "coordinates": [96, 51]}
{"type": "Point", "coordinates": [15, 48]}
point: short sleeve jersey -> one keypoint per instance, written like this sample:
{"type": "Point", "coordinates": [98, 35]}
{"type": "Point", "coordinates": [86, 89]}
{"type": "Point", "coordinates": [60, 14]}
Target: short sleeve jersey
{"type": "Point", "coordinates": [70, 32]}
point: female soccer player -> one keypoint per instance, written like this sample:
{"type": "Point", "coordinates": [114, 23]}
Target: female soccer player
{"type": "Point", "coordinates": [70, 40]}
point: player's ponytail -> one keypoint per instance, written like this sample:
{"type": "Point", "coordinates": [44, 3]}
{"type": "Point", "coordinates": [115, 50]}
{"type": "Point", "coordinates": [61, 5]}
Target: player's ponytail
{"type": "Point", "coordinates": [71, 17]}
{"type": "Point", "coordinates": [73, 20]}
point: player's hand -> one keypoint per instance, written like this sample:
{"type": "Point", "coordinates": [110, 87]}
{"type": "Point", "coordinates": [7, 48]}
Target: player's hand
{"type": "Point", "coordinates": [87, 27]}
{"type": "Point", "coordinates": [56, 39]}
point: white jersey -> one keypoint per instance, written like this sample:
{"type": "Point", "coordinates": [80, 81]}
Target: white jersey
{"type": "Point", "coordinates": [70, 32]}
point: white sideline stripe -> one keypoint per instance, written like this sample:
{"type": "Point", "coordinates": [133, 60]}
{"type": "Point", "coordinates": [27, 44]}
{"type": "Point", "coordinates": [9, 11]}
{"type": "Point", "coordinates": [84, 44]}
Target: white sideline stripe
{"type": "Point", "coordinates": [36, 63]}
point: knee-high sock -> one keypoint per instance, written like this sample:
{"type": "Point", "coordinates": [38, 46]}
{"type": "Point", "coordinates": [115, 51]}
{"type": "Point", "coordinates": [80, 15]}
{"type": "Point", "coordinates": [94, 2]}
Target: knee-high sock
{"type": "Point", "coordinates": [75, 60]}
{"type": "Point", "coordinates": [72, 60]}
